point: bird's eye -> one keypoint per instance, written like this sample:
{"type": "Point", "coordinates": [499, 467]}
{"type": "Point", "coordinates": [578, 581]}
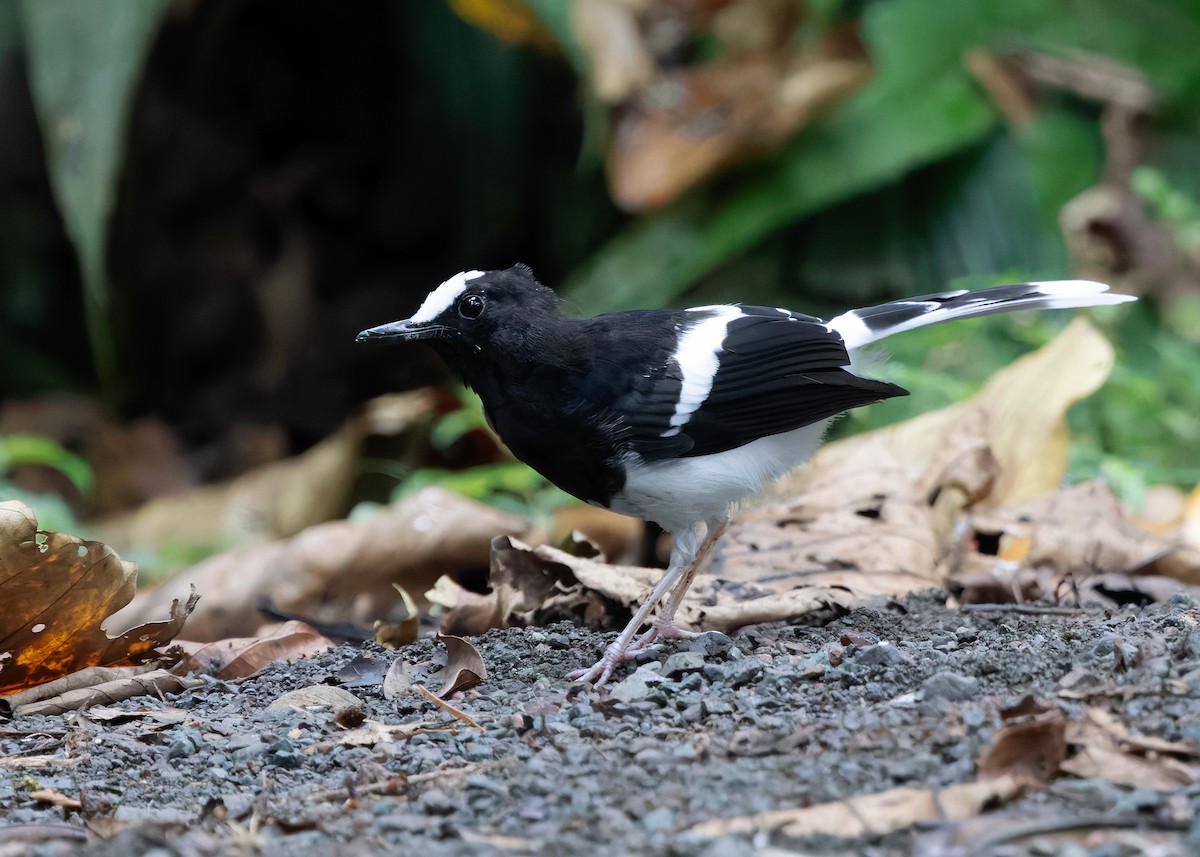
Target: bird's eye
{"type": "Point", "coordinates": [471, 306]}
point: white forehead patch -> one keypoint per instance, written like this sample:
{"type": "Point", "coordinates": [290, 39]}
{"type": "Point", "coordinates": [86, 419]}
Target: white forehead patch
{"type": "Point", "coordinates": [444, 296]}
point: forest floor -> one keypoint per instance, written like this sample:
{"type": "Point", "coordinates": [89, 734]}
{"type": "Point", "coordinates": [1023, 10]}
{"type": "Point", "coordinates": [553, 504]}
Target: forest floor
{"type": "Point", "coordinates": [676, 758]}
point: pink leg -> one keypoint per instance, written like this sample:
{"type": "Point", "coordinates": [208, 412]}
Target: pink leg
{"type": "Point", "coordinates": [663, 627]}
{"type": "Point", "coordinates": [685, 560]}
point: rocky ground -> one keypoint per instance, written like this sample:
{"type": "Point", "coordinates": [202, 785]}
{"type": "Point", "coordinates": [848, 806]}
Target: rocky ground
{"type": "Point", "coordinates": [908, 693]}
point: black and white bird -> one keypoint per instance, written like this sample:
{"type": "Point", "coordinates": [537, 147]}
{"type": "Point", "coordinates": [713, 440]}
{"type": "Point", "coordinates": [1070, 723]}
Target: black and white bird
{"type": "Point", "coordinates": [673, 416]}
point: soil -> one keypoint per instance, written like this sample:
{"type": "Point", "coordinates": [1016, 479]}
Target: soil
{"type": "Point", "coordinates": [904, 693]}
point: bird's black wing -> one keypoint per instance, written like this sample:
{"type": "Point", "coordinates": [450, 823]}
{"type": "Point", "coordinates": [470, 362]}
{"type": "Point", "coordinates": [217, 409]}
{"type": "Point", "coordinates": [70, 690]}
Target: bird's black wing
{"type": "Point", "coordinates": [776, 371]}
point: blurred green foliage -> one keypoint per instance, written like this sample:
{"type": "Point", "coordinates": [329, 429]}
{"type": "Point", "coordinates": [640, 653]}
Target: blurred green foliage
{"type": "Point", "coordinates": [915, 184]}
{"type": "Point", "coordinates": [84, 62]}
{"type": "Point", "coordinates": [53, 513]}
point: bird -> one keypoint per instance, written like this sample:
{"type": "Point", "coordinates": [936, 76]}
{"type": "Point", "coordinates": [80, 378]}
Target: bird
{"type": "Point", "coordinates": [673, 416]}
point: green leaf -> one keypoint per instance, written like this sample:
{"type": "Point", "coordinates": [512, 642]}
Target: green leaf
{"type": "Point", "coordinates": [16, 449]}
{"type": "Point", "coordinates": [84, 63]}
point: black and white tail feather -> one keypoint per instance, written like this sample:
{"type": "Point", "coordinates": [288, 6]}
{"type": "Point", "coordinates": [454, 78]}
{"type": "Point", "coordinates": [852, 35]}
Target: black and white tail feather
{"type": "Point", "coordinates": [860, 327]}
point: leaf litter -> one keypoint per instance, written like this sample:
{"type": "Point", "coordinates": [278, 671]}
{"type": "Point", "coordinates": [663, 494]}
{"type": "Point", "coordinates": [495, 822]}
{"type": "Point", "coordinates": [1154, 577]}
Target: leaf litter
{"type": "Point", "coordinates": [58, 592]}
{"type": "Point", "coordinates": [894, 711]}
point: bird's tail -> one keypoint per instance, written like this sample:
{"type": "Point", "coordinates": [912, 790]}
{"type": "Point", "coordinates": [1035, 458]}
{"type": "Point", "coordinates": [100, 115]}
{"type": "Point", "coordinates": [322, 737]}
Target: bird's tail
{"type": "Point", "coordinates": [860, 327]}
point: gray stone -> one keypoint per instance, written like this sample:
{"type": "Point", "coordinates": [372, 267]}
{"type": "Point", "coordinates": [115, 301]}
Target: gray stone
{"type": "Point", "coordinates": [950, 686]}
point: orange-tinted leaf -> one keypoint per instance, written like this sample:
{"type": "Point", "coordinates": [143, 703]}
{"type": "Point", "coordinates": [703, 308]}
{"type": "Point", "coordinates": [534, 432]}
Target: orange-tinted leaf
{"type": "Point", "coordinates": [57, 591]}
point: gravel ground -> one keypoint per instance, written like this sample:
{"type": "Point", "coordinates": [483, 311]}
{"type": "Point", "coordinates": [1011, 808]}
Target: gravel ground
{"type": "Point", "coordinates": [905, 693]}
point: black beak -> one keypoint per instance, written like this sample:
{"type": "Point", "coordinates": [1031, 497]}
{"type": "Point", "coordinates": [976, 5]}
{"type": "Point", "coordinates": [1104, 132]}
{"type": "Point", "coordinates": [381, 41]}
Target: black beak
{"type": "Point", "coordinates": [401, 331]}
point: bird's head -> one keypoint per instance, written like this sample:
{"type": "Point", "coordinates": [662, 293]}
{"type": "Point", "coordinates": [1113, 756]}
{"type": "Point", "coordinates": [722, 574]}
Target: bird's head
{"type": "Point", "coordinates": [474, 312]}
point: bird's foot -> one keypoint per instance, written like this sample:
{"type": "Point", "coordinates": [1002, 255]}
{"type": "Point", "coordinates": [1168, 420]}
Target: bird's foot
{"type": "Point", "coordinates": [600, 672]}
{"type": "Point", "coordinates": [620, 652]}
{"type": "Point", "coordinates": [662, 629]}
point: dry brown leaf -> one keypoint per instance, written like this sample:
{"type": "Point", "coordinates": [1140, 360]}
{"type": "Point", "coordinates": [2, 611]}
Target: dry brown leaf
{"type": "Point", "coordinates": [1032, 750]}
{"type": "Point", "coordinates": [339, 570]}
{"type": "Point", "coordinates": [275, 500]}
{"type": "Point", "coordinates": [398, 679]}
{"type": "Point", "coordinates": [57, 591]}
{"type": "Point", "coordinates": [531, 586]}
{"type": "Point", "coordinates": [41, 761]}
{"type": "Point", "coordinates": [1080, 532]}
{"type": "Point", "coordinates": [1108, 750]}
{"type": "Point", "coordinates": [721, 113]}
{"type": "Point", "coordinates": [160, 717]}
{"type": "Point", "coordinates": [244, 656]}
{"type": "Point", "coordinates": [397, 634]}
{"type": "Point", "coordinates": [465, 668]}
{"type": "Point", "coordinates": [1164, 511]}
{"type": "Point", "coordinates": [1108, 763]}
{"type": "Point", "coordinates": [874, 814]}
{"type": "Point", "coordinates": [861, 526]}
{"type": "Point", "coordinates": [124, 686]}
{"type": "Point", "coordinates": [346, 707]}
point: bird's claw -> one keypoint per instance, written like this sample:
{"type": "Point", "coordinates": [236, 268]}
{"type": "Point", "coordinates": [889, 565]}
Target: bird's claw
{"type": "Point", "coordinates": [600, 672]}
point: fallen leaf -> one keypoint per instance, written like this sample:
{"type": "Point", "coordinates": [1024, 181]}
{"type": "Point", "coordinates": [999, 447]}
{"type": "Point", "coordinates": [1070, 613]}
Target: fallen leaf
{"type": "Point", "coordinates": [873, 814]}
{"type": "Point", "coordinates": [366, 670]}
{"type": "Point", "coordinates": [57, 591]}
{"type": "Point", "coordinates": [619, 60]}
{"type": "Point", "coordinates": [399, 678]}
{"type": "Point", "coordinates": [124, 686]}
{"type": "Point", "coordinates": [161, 717]}
{"type": "Point", "coordinates": [1080, 532]}
{"type": "Point", "coordinates": [339, 569]}
{"type": "Point", "coordinates": [272, 501]}
{"type": "Point", "coordinates": [346, 707]}
{"type": "Point", "coordinates": [675, 125]}
{"type": "Point", "coordinates": [534, 586]}
{"type": "Point", "coordinates": [1108, 763]}
{"type": "Point", "coordinates": [464, 666]}
{"type": "Point", "coordinates": [244, 656]}
{"type": "Point", "coordinates": [463, 670]}
{"type": "Point", "coordinates": [394, 635]}
{"type": "Point", "coordinates": [1031, 750]}
{"type": "Point", "coordinates": [1107, 750]}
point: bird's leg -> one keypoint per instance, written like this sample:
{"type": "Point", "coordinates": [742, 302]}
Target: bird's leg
{"type": "Point", "coordinates": [686, 557]}
{"type": "Point", "coordinates": [663, 626]}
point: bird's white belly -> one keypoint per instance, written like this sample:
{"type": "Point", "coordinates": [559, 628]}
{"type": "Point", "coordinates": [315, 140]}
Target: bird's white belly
{"type": "Point", "coordinates": [677, 493]}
